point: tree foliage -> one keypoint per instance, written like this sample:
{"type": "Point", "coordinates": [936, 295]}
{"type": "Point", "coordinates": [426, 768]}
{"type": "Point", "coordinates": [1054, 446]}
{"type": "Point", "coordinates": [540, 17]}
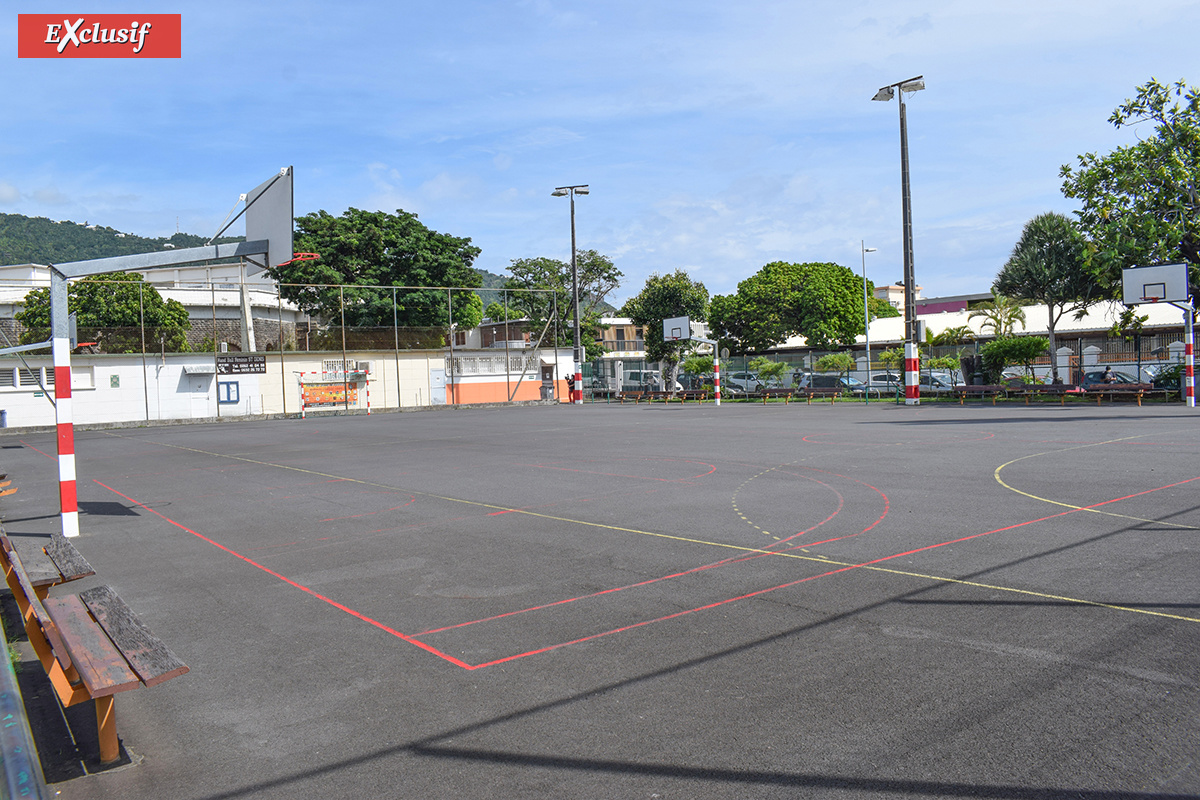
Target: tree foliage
{"type": "Point", "coordinates": [1139, 202]}
{"type": "Point", "coordinates": [363, 250]}
{"type": "Point", "coordinates": [38, 240]}
{"type": "Point", "coordinates": [111, 310]}
{"type": "Point", "coordinates": [840, 363]}
{"type": "Point", "coordinates": [768, 369]}
{"type": "Point", "coordinates": [819, 301]}
{"type": "Point", "coordinates": [1000, 315]}
{"type": "Point", "coordinates": [597, 278]}
{"type": "Point", "coordinates": [664, 297]}
{"type": "Point", "coordinates": [1008, 350]}
{"type": "Point", "coordinates": [1048, 264]}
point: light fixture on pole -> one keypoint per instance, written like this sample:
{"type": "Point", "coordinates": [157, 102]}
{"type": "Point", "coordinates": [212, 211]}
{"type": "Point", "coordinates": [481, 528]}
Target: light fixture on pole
{"type": "Point", "coordinates": [912, 389]}
{"type": "Point", "coordinates": [866, 318]}
{"type": "Point", "coordinates": [571, 191]}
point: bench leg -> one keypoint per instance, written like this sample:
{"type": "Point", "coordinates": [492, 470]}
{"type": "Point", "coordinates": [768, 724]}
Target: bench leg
{"type": "Point", "coordinates": [106, 724]}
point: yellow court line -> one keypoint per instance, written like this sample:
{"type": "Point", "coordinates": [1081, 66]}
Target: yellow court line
{"type": "Point", "coordinates": [1000, 480]}
{"type": "Point", "coordinates": [755, 550]}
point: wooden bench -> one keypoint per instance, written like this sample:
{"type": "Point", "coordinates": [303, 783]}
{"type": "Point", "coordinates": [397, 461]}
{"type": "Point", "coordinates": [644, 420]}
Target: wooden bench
{"type": "Point", "coordinates": [774, 392]}
{"type": "Point", "coordinates": [832, 392]}
{"type": "Point", "coordinates": [982, 392]}
{"type": "Point", "coordinates": [634, 396]}
{"type": "Point", "coordinates": [1119, 390]}
{"type": "Point", "coordinates": [91, 645]}
{"type": "Point", "coordinates": [699, 395]}
{"type": "Point", "coordinates": [1060, 390]}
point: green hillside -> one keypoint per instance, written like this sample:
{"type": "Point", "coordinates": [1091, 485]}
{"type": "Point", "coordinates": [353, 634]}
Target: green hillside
{"type": "Point", "coordinates": [37, 240]}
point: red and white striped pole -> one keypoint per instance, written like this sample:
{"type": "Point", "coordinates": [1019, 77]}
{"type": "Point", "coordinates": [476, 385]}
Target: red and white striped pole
{"type": "Point", "coordinates": [1189, 356]}
{"type": "Point", "coordinates": [60, 348]}
{"type": "Point", "coordinates": [368, 382]}
{"type": "Point", "coordinates": [912, 375]}
{"type": "Point", "coordinates": [717, 377]}
{"type": "Point", "coordinates": [302, 406]}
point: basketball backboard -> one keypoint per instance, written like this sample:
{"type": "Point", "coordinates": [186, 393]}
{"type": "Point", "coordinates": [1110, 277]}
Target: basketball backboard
{"type": "Point", "coordinates": [1167, 283]}
{"type": "Point", "coordinates": [269, 215]}
{"type": "Point", "coordinates": [677, 329]}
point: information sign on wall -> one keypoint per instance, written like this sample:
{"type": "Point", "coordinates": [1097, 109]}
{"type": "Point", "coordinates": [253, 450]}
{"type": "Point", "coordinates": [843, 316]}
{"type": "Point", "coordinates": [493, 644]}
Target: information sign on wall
{"type": "Point", "coordinates": [230, 364]}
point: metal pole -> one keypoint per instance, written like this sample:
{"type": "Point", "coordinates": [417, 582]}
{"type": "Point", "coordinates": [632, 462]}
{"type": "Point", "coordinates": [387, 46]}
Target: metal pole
{"type": "Point", "coordinates": [212, 288]}
{"type": "Point", "coordinates": [578, 394]}
{"type": "Point", "coordinates": [396, 336]}
{"type": "Point", "coordinates": [145, 372]}
{"type": "Point", "coordinates": [507, 365]}
{"type": "Point", "coordinates": [282, 363]}
{"type": "Point", "coordinates": [912, 385]}
{"type": "Point", "coordinates": [866, 322]}
{"type": "Point", "coordinates": [345, 366]}
{"type": "Point", "coordinates": [60, 347]}
{"type": "Point", "coordinates": [451, 386]}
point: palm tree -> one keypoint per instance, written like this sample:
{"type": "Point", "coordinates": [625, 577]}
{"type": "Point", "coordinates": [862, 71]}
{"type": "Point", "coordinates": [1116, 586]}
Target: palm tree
{"type": "Point", "coordinates": [1001, 315]}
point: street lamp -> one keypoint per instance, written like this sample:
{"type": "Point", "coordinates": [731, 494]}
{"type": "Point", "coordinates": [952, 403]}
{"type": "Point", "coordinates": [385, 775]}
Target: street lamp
{"type": "Point", "coordinates": [912, 389]}
{"type": "Point", "coordinates": [866, 317]}
{"type": "Point", "coordinates": [571, 191]}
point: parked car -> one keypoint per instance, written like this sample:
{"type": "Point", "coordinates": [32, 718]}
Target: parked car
{"type": "Point", "coordinates": [741, 382]}
{"type": "Point", "coordinates": [645, 381]}
{"type": "Point", "coordinates": [1096, 378]}
{"type": "Point", "coordinates": [1169, 377]}
{"type": "Point", "coordinates": [846, 384]}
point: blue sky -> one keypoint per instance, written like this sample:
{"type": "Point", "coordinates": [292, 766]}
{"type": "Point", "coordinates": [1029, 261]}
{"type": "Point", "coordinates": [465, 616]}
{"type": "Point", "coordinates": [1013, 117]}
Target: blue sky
{"type": "Point", "coordinates": [716, 137]}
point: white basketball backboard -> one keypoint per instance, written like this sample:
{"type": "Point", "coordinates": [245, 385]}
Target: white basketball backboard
{"type": "Point", "coordinates": [677, 329]}
{"type": "Point", "coordinates": [1167, 283]}
{"type": "Point", "coordinates": [269, 215]}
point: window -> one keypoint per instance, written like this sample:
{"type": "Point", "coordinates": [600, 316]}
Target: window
{"type": "Point", "coordinates": [228, 392]}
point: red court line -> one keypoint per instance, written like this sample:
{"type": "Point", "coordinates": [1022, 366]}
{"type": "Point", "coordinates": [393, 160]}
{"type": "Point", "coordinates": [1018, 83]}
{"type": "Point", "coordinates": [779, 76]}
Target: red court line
{"type": "Point", "coordinates": [548, 648]}
{"type": "Point", "coordinates": [704, 567]}
{"type": "Point", "coordinates": [301, 587]}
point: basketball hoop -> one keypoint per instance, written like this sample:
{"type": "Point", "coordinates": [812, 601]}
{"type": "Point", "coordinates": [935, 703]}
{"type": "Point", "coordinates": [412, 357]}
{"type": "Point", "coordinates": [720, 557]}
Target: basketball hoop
{"type": "Point", "coordinates": [299, 257]}
{"type": "Point", "coordinates": [1153, 299]}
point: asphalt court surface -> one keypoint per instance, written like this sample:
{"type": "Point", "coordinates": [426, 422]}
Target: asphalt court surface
{"type": "Point", "coordinates": [652, 601]}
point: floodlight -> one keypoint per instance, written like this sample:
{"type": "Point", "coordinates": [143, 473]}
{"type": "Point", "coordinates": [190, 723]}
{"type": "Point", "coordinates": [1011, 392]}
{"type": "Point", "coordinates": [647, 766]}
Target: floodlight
{"type": "Point", "coordinates": [915, 85]}
{"type": "Point", "coordinates": [886, 93]}
{"type": "Point", "coordinates": [559, 193]}
{"type": "Point", "coordinates": [581, 190]}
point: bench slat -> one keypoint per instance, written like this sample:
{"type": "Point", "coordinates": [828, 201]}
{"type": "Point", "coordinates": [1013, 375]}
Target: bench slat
{"type": "Point", "coordinates": [99, 663]}
{"type": "Point", "coordinates": [146, 653]}
{"type": "Point", "coordinates": [69, 561]}
{"type": "Point", "coordinates": [37, 566]}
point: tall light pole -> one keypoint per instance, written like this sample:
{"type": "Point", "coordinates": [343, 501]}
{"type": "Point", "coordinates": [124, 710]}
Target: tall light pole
{"type": "Point", "coordinates": [866, 317]}
{"type": "Point", "coordinates": [571, 191]}
{"type": "Point", "coordinates": [912, 387]}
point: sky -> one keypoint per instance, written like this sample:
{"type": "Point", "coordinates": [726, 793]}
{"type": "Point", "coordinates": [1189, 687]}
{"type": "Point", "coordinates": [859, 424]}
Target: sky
{"type": "Point", "coordinates": [716, 137]}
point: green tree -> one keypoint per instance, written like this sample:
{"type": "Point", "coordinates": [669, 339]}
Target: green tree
{"type": "Point", "coordinates": [819, 301]}
{"type": "Point", "coordinates": [768, 369]}
{"type": "Point", "coordinates": [111, 310]}
{"type": "Point", "coordinates": [664, 297]}
{"type": "Point", "coordinates": [1140, 202]}
{"type": "Point", "coordinates": [362, 250]}
{"type": "Point", "coordinates": [840, 363]}
{"type": "Point", "coordinates": [1048, 265]}
{"type": "Point", "coordinates": [597, 278]}
{"type": "Point", "coordinates": [1008, 350]}
{"type": "Point", "coordinates": [892, 358]}
{"type": "Point", "coordinates": [880, 309]}
{"type": "Point", "coordinates": [960, 334]}
{"type": "Point", "coordinates": [1000, 315]}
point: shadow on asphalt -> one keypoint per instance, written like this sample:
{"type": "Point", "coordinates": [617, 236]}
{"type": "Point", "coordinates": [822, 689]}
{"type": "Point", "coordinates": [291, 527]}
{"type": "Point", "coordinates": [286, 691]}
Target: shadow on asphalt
{"type": "Point", "coordinates": [432, 747]}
